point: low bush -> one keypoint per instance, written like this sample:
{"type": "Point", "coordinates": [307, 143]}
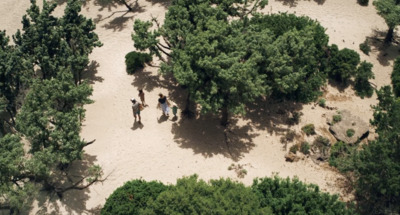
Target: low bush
{"type": "Point", "coordinates": [295, 118]}
{"type": "Point", "coordinates": [342, 64]}
{"type": "Point", "coordinates": [364, 47]}
{"type": "Point", "coordinates": [350, 132]}
{"type": "Point", "coordinates": [362, 86]}
{"type": "Point", "coordinates": [136, 60]}
{"type": "Point", "coordinates": [322, 102]}
{"type": "Point", "coordinates": [308, 129]}
{"type": "Point", "coordinates": [336, 118]}
{"type": "Point", "coordinates": [305, 148]}
{"type": "Point", "coordinates": [132, 196]}
{"type": "Point", "coordinates": [339, 150]}
{"type": "Point", "coordinates": [363, 2]}
{"type": "Point", "coordinates": [290, 135]}
{"type": "Point", "coordinates": [293, 149]}
{"type": "Point", "coordinates": [321, 141]}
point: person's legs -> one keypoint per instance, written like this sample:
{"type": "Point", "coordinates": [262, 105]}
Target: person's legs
{"type": "Point", "coordinates": [134, 114]}
{"type": "Point", "coordinates": [138, 113]}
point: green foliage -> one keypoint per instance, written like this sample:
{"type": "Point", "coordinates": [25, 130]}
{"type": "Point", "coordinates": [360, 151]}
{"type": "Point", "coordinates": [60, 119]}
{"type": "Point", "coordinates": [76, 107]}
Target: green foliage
{"type": "Point", "coordinates": [223, 196]}
{"type": "Point", "coordinates": [295, 118]}
{"type": "Point", "coordinates": [293, 149]}
{"type": "Point", "coordinates": [321, 141]}
{"type": "Point", "coordinates": [285, 196]}
{"type": "Point", "coordinates": [322, 102]}
{"type": "Point", "coordinates": [132, 197]}
{"type": "Point", "coordinates": [390, 11]}
{"type": "Point", "coordinates": [309, 129]}
{"type": "Point", "coordinates": [363, 2]}
{"type": "Point", "coordinates": [193, 196]}
{"type": "Point", "coordinates": [350, 132]}
{"type": "Point", "coordinates": [342, 63]}
{"type": "Point", "coordinates": [226, 59]}
{"type": "Point", "coordinates": [135, 60]}
{"type": "Point", "coordinates": [336, 118]}
{"type": "Point", "coordinates": [305, 148]}
{"type": "Point", "coordinates": [362, 85]}
{"type": "Point", "coordinates": [290, 135]}
{"type": "Point", "coordinates": [339, 153]}
{"type": "Point", "coordinates": [396, 77]}
{"type": "Point", "coordinates": [50, 117]}
{"type": "Point", "coordinates": [364, 47]}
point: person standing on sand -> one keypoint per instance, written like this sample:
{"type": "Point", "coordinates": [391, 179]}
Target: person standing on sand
{"type": "Point", "coordinates": [141, 96]}
{"type": "Point", "coordinates": [163, 104]}
{"type": "Point", "coordinates": [136, 109]}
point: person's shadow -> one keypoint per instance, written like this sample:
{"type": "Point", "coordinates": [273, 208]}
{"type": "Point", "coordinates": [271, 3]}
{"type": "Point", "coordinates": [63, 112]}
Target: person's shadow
{"type": "Point", "coordinates": [162, 119]}
{"type": "Point", "coordinates": [137, 125]}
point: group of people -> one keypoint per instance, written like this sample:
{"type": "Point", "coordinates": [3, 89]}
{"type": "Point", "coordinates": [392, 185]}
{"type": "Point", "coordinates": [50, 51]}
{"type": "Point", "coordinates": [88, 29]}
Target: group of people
{"type": "Point", "coordinates": [163, 103]}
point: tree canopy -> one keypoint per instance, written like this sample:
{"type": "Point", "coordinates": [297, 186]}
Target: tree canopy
{"type": "Point", "coordinates": [43, 95]}
{"type": "Point", "coordinates": [390, 11]}
{"type": "Point", "coordinates": [226, 59]}
{"type": "Point", "coordinates": [223, 196]}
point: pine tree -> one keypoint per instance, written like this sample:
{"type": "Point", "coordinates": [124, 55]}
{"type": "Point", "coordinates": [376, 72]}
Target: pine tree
{"type": "Point", "coordinates": [390, 11]}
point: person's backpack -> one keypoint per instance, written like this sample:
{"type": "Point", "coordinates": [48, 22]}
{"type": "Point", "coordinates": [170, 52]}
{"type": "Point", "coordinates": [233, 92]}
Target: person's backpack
{"type": "Point", "coordinates": [141, 107]}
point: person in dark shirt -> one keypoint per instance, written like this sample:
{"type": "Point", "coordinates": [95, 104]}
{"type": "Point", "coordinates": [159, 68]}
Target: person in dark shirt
{"type": "Point", "coordinates": [163, 104]}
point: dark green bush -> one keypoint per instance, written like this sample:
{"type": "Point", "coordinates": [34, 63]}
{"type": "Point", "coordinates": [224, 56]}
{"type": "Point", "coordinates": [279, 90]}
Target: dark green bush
{"type": "Point", "coordinates": [309, 129]}
{"type": "Point", "coordinates": [364, 47]}
{"type": "Point", "coordinates": [136, 60]}
{"type": "Point", "coordinates": [305, 148]}
{"type": "Point", "coordinates": [362, 85]}
{"type": "Point", "coordinates": [322, 102]}
{"type": "Point", "coordinates": [295, 118]}
{"type": "Point", "coordinates": [321, 141]}
{"type": "Point", "coordinates": [223, 196]}
{"type": "Point", "coordinates": [342, 64]}
{"type": "Point", "coordinates": [396, 77]}
{"type": "Point", "coordinates": [294, 148]}
{"type": "Point", "coordinates": [132, 196]}
{"type": "Point", "coordinates": [363, 2]}
{"type": "Point", "coordinates": [336, 118]}
{"type": "Point", "coordinates": [350, 132]}
{"type": "Point", "coordinates": [285, 196]}
{"type": "Point", "coordinates": [339, 149]}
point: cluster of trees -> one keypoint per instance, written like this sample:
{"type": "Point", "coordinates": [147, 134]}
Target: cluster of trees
{"type": "Point", "coordinates": [226, 54]}
{"type": "Point", "coordinates": [223, 196]}
{"type": "Point", "coordinates": [41, 103]}
{"type": "Point", "coordinates": [375, 168]}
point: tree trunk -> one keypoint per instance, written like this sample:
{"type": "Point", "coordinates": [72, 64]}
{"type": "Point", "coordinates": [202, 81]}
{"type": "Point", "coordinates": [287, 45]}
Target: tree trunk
{"type": "Point", "coordinates": [187, 112]}
{"type": "Point", "coordinates": [127, 5]}
{"type": "Point", "coordinates": [225, 116]}
{"type": "Point", "coordinates": [389, 35]}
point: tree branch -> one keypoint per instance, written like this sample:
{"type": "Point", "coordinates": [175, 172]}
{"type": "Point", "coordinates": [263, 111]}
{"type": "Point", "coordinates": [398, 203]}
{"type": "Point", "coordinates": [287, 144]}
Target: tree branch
{"type": "Point", "coordinates": [90, 142]}
{"type": "Point", "coordinates": [162, 50]}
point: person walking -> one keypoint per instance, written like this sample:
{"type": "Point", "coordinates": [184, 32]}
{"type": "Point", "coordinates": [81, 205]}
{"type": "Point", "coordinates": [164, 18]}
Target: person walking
{"type": "Point", "coordinates": [141, 96]}
{"type": "Point", "coordinates": [163, 104]}
{"type": "Point", "coordinates": [136, 106]}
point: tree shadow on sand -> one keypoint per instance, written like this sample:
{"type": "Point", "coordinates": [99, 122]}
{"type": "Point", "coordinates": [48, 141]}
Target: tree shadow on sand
{"type": "Point", "coordinates": [385, 52]}
{"type": "Point", "coordinates": [74, 201]}
{"type": "Point", "coordinates": [164, 3]}
{"type": "Point", "coordinates": [270, 114]}
{"type": "Point", "coordinates": [205, 136]}
{"type": "Point", "coordinates": [90, 74]}
{"type": "Point", "coordinates": [293, 3]}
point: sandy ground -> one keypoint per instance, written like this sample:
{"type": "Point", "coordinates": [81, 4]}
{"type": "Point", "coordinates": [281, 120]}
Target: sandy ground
{"type": "Point", "coordinates": [165, 150]}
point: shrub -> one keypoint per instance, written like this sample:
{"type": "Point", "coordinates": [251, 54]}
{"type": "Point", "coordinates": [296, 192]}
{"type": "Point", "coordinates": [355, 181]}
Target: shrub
{"type": "Point", "coordinates": [363, 2]}
{"type": "Point", "coordinates": [362, 85]}
{"type": "Point", "coordinates": [305, 148]}
{"type": "Point", "coordinates": [336, 118]}
{"type": "Point", "coordinates": [295, 118]}
{"type": "Point", "coordinates": [132, 196]}
{"type": "Point", "coordinates": [342, 64]}
{"type": "Point", "coordinates": [350, 132]}
{"type": "Point", "coordinates": [135, 60]}
{"type": "Point", "coordinates": [339, 150]}
{"type": "Point", "coordinates": [309, 129]}
{"type": "Point", "coordinates": [294, 148]}
{"type": "Point", "coordinates": [290, 135]}
{"type": "Point", "coordinates": [364, 47]}
{"type": "Point", "coordinates": [321, 141]}
{"type": "Point", "coordinates": [291, 196]}
{"type": "Point", "coordinates": [322, 102]}
{"type": "Point", "coordinates": [396, 77]}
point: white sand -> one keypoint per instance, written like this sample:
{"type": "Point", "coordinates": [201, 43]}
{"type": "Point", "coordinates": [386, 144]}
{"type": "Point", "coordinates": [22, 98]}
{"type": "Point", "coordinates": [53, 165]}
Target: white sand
{"type": "Point", "coordinates": [168, 150]}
